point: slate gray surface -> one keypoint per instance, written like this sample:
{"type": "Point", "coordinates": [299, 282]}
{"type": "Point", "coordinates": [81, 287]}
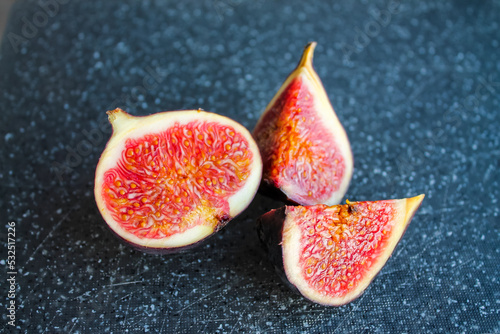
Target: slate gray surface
{"type": "Point", "coordinates": [417, 91]}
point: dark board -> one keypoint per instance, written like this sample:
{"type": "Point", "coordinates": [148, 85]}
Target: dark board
{"type": "Point", "coordinates": [416, 86]}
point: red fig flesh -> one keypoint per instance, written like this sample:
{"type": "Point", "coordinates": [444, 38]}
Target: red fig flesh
{"type": "Point", "coordinates": [169, 180]}
{"type": "Point", "coordinates": [331, 254]}
{"type": "Point", "coordinates": [305, 150]}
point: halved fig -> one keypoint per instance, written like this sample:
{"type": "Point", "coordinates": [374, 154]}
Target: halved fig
{"type": "Point", "coordinates": [331, 254]}
{"type": "Point", "coordinates": [169, 180]}
{"type": "Point", "coordinates": [304, 148]}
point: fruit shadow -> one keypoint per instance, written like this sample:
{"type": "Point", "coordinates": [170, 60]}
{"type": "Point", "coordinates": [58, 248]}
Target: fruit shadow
{"type": "Point", "coordinates": [234, 245]}
{"type": "Point", "coordinates": [234, 254]}
{"type": "Point", "coordinates": [235, 250]}
{"type": "Point", "coordinates": [239, 251]}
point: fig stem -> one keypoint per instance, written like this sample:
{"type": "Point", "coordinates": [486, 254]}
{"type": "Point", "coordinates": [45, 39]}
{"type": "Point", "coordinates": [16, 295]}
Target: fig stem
{"type": "Point", "coordinates": [307, 55]}
{"type": "Point", "coordinates": [118, 118]}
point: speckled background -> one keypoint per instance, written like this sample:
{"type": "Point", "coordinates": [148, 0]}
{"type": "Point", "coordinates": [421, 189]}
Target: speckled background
{"type": "Point", "coordinates": [416, 86]}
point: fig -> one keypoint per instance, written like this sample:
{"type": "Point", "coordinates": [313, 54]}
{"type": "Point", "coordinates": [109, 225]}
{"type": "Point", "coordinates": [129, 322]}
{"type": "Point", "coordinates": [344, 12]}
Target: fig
{"type": "Point", "coordinates": [305, 150]}
{"type": "Point", "coordinates": [169, 180]}
{"type": "Point", "coordinates": [330, 254]}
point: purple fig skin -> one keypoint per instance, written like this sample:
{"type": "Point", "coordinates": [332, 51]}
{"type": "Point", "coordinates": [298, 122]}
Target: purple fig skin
{"type": "Point", "coordinates": [270, 230]}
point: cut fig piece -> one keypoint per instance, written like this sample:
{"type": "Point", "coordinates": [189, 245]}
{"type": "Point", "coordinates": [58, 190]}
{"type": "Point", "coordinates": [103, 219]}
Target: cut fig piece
{"type": "Point", "coordinates": [304, 148]}
{"type": "Point", "coordinates": [331, 254]}
{"type": "Point", "coordinates": [169, 180]}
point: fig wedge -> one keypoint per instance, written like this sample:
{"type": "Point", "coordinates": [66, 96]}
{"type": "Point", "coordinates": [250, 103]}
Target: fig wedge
{"type": "Point", "coordinates": [305, 150]}
{"type": "Point", "coordinates": [331, 254]}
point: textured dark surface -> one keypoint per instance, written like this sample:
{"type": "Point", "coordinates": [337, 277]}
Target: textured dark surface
{"type": "Point", "coordinates": [418, 96]}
